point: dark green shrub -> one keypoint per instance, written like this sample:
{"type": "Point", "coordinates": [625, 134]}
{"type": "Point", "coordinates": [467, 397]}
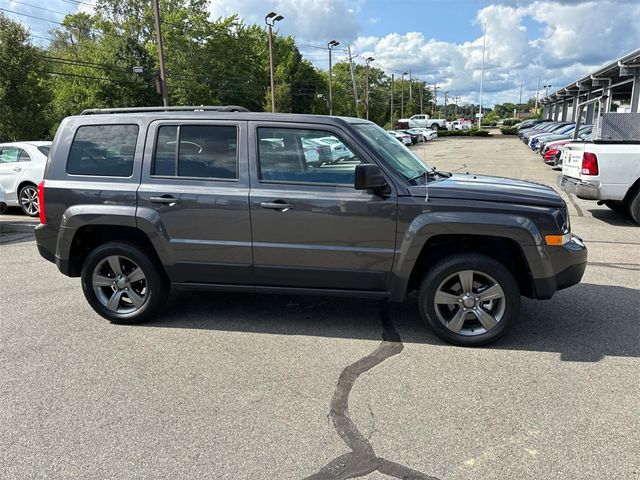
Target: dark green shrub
{"type": "Point", "coordinates": [511, 121]}
{"type": "Point", "coordinates": [509, 130]}
{"type": "Point", "coordinates": [472, 132]}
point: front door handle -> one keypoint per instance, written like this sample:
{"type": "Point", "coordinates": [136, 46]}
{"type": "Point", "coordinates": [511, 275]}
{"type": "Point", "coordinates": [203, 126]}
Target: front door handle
{"type": "Point", "coordinates": [277, 205]}
{"type": "Point", "coordinates": [17, 169]}
{"type": "Point", "coordinates": [165, 199]}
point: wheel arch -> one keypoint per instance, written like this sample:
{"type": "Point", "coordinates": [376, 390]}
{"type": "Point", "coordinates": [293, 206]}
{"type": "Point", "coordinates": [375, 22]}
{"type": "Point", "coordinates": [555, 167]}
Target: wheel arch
{"type": "Point", "coordinates": [432, 236]}
{"type": "Point", "coordinates": [87, 237]}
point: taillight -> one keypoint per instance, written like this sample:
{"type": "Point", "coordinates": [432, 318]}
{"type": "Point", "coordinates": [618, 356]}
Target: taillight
{"type": "Point", "coordinates": [550, 154]}
{"type": "Point", "coordinates": [43, 218]}
{"type": "Point", "coordinates": [589, 164]}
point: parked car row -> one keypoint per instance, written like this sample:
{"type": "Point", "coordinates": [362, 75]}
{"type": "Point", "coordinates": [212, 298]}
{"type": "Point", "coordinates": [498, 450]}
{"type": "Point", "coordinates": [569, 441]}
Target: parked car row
{"type": "Point", "coordinates": [412, 136]}
{"type": "Point", "coordinates": [21, 170]}
{"type": "Point", "coordinates": [460, 124]}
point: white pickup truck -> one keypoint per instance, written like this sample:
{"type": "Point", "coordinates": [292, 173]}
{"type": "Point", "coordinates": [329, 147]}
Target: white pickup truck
{"type": "Point", "coordinates": [604, 171]}
{"type": "Point", "coordinates": [424, 121]}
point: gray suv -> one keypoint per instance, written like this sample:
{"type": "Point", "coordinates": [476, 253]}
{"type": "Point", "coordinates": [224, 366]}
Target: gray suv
{"type": "Point", "coordinates": [136, 202]}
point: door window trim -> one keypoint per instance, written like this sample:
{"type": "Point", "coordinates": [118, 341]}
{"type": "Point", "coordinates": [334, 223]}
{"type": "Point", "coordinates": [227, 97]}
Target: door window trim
{"type": "Point", "coordinates": [329, 130]}
{"type": "Point", "coordinates": [178, 124]}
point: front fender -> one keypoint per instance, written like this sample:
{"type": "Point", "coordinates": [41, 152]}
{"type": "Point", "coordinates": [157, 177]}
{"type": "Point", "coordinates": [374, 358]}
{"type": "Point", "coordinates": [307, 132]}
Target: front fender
{"type": "Point", "coordinates": [428, 225]}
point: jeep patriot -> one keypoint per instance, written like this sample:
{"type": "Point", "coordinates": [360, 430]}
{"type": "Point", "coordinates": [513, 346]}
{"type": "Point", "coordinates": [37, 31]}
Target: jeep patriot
{"type": "Point", "coordinates": [138, 201]}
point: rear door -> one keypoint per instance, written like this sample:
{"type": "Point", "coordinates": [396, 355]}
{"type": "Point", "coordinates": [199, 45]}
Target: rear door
{"type": "Point", "coordinates": [195, 178]}
{"type": "Point", "coordinates": [10, 170]}
{"type": "Point", "coordinates": [311, 228]}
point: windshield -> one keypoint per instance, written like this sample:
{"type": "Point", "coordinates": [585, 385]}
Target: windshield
{"type": "Point", "coordinates": [395, 154]}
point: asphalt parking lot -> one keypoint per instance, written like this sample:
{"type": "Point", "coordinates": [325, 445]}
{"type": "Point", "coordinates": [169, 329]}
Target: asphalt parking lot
{"type": "Point", "coordinates": [275, 387]}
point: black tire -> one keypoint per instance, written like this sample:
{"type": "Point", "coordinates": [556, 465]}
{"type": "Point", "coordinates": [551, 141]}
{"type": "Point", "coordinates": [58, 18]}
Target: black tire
{"type": "Point", "coordinates": [634, 207]}
{"type": "Point", "coordinates": [481, 265]}
{"type": "Point", "coordinates": [435, 127]}
{"type": "Point", "coordinates": [155, 282]}
{"type": "Point", "coordinates": [31, 207]}
{"type": "Point", "coordinates": [3, 207]}
{"type": "Point", "coordinates": [617, 206]}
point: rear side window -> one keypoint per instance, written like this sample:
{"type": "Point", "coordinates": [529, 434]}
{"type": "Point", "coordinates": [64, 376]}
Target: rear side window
{"type": "Point", "coordinates": [197, 151]}
{"type": "Point", "coordinates": [44, 149]}
{"type": "Point", "coordinates": [103, 150]}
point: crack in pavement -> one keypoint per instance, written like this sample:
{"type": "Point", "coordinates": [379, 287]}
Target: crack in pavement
{"type": "Point", "coordinates": [362, 459]}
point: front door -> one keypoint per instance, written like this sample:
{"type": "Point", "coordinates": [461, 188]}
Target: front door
{"type": "Point", "coordinates": [311, 228]}
{"type": "Point", "coordinates": [195, 177]}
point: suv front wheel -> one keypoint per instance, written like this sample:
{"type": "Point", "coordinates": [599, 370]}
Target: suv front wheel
{"type": "Point", "coordinates": [469, 300]}
{"type": "Point", "coordinates": [122, 283]}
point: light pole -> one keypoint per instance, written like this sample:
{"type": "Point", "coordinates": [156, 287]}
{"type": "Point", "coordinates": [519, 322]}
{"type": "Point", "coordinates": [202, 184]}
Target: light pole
{"type": "Point", "coordinates": [270, 19]}
{"type": "Point", "coordinates": [546, 89]}
{"type": "Point", "coordinates": [368, 60]}
{"type": "Point", "coordinates": [330, 46]}
{"type": "Point", "coordinates": [402, 94]}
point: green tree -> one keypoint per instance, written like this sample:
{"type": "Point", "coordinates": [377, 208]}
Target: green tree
{"type": "Point", "coordinates": [24, 95]}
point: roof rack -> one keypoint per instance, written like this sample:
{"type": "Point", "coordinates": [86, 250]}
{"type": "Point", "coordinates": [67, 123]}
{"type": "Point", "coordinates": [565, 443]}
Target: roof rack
{"type": "Point", "coordinates": [201, 108]}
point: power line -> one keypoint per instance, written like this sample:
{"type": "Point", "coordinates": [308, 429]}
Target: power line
{"type": "Point", "coordinates": [39, 8]}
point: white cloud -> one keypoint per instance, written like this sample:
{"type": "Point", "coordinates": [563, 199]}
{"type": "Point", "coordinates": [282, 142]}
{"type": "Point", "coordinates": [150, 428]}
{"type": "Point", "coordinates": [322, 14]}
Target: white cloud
{"type": "Point", "coordinates": [576, 38]}
{"type": "Point", "coordinates": [308, 20]}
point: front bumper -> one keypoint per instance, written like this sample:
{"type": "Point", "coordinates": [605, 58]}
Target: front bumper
{"type": "Point", "coordinates": [570, 261]}
{"type": "Point", "coordinates": [584, 190]}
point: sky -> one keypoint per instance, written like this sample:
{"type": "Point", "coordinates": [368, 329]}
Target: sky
{"type": "Point", "coordinates": [440, 41]}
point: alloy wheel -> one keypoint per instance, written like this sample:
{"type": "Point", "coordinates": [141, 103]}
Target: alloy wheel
{"type": "Point", "coordinates": [29, 200]}
{"type": "Point", "coordinates": [120, 284]}
{"type": "Point", "coordinates": [469, 303]}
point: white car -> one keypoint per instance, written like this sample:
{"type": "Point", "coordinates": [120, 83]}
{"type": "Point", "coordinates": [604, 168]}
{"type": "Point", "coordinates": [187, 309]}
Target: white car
{"type": "Point", "coordinates": [338, 150]}
{"type": "Point", "coordinates": [21, 170]}
{"type": "Point", "coordinates": [3, 200]}
{"type": "Point", "coordinates": [401, 137]}
{"type": "Point", "coordinates": [427, 133]}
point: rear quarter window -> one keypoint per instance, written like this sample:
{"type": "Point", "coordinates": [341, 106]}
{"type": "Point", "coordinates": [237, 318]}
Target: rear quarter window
{"type": "Point", "coordinates": [103, 150]}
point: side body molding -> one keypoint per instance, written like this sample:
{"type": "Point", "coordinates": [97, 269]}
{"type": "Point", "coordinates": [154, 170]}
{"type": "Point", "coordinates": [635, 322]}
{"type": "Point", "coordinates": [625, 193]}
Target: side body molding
{"type": "Point", "coordinates": [428, 225]}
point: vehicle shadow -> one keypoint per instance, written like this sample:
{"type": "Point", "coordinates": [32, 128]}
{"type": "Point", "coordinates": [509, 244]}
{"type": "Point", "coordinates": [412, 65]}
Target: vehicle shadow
{"type": "Point", "coordinates": [16, 231]}
{"type": "Point", "coordinates": [582, 324]}
{"type": "Point", "coordinates": [612, 218]}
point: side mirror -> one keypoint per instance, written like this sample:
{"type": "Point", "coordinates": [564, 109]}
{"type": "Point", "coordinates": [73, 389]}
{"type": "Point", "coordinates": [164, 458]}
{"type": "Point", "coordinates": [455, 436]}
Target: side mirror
{"type": "Point", "coordinates": [370, 177]}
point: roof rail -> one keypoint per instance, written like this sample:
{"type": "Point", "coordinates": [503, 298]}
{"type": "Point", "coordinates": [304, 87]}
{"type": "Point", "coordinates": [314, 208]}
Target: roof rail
{"type": "Point", "coordinates": [201, 108]}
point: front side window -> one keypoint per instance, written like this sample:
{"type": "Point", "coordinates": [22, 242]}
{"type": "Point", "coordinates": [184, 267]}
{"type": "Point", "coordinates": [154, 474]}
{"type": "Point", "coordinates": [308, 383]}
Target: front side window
{"type": "Point", "coordinates": [103, 150]}
{"type": "Point", "coordinates": [198, 151]}
{"type": "Point", "coordinates": [9, 154]}
{"type": "Point", "coordinates": [305, 156]}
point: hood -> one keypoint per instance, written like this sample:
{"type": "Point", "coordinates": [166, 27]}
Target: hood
{"type": "Point", "coordinates": [491, 189]}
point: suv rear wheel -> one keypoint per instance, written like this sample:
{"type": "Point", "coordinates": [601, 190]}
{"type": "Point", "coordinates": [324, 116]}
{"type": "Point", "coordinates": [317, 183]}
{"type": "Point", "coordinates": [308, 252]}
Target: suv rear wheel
{"type": "Point", "coordinates": [634, 207]}
{"type": "Point", "coordinates": [122, 283]}
{"type": "Point", "coordinates": [469, 300]}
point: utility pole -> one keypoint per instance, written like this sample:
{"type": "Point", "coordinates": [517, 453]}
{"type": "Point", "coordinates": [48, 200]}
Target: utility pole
{"type": "Point", "coordinates": [435, 99]}
{"type": "Point", "coordinates": [537, 93]}
{"type": "Point", "coordinates": [392, 88]}
{"type": "Point", "coordinates": [368, 60]}
{"type": "Point", "coordinates": [330, 46]}
{"type": "Point", "coordinates": [520, 102]}
{"type": "Point", "coordinates": [445, 104]}
{"type": "Point", "coordinates": [484, 46]}
{"type": "Point", "coordinates": [456, 98]}
{"type": "Point", "coordinates": [353, 78]}
{"type": "Point", "coordinates": [163, 75]}
{"type": "Point", "coordinates": [270, 19]}
{"type": "Point", "coordinates": [420, 91]}
{"type": "Point", "coordinates": [410, 94]}
{"type": "Point", "coordinates": [402, 95]}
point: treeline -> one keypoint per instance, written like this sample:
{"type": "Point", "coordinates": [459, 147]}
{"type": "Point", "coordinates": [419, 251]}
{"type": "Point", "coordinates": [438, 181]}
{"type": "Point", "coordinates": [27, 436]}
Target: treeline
{"type": "Point", "coordinates": [90, 60]}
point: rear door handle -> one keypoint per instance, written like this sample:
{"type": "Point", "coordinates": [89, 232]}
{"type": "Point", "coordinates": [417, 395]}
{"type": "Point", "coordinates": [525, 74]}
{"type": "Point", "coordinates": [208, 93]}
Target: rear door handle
{"type": "Point", "coordinates": [277, 205]}
{"type": "Point", "coordinates": [165, 199]}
